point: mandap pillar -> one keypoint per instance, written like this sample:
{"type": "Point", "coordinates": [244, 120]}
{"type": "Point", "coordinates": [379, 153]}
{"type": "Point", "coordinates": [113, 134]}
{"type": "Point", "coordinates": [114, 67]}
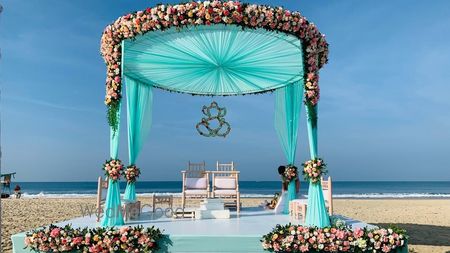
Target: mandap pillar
{"type": "Point", "coordinates": [316, 214]}
{"type": "Point", "coordinates": [112, 212]}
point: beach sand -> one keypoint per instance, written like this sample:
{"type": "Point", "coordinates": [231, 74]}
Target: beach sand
{"type": "Point", "coordinates": [426, 220]}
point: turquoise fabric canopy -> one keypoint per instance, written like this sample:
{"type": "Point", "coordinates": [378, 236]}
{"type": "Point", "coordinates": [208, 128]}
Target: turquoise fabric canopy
{"type": "Point", "coordinates": [214, 60]}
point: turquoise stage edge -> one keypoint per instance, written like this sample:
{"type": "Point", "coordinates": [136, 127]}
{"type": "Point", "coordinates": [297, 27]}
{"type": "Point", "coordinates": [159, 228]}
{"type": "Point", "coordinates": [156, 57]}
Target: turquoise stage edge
{"type": "Point", "coordinates": [179, 244]}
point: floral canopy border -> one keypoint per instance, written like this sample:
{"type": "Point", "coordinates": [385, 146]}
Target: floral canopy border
{"type": "Point", "coordinates": [250, 16]}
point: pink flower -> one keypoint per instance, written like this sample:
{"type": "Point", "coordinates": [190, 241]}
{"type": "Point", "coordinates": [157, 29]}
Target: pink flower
{"type": "Point", "coordinates": [386, 248]}
{"type": "Point", "coordinates": [358, 232]}
{"type": "Point", "coordinates": [55, 232]}
{"type": "Point", "coordinates": [77, 240]}
{"type": "Point", "coordinates": [304, 248]}
{"type": "Point", "coordinates": [123, 230]}
{"type": "Point", "coordinates": [340, 234]}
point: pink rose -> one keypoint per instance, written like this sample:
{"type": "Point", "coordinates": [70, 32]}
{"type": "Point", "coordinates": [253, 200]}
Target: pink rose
{"type": "Point", "coordinates": [77, 240]}
{"type": "Point", "coordinates": [55, 232]}
{"type": "Point", "coordinates": [304, 248]}
{"type": "Point", "coordinates": [386, 248]}
{"type": "Point", "coordinates": [358, 232]}
{"type": "Point", "coordinates": [123, 230]}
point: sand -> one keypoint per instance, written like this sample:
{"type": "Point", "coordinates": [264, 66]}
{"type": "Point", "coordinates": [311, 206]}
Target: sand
{"type": "Point", "coordinates": [427, 221]}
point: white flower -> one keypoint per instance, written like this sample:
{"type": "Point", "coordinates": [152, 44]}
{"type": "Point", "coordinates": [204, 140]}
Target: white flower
{"type": "Point", "coordinates": [362, 243]}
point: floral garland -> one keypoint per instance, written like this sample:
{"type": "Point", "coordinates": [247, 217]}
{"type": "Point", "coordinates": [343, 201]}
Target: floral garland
{"type": "Point", "coordinates": [314, 169]}
{"type": "Point", "coordinates": [161, 17]}
{"type": "Point", "coordinates": [113, 169]}
{"type": "Point", "coordinates": [290, 174]}
{"type": "Point", "coordinates": [132, 173]}
{"type": "Point", "coordinates": [295, 238]}
{"type": "Point", "coordinates": [65, 239]}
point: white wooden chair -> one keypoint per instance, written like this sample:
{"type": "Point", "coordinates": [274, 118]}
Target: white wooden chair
{"type": "Point", "coordinates": [195, 182]}
{"type": "Point", "coordinates": [160, 200]}
{"type": "Point", "coordinates": [225, 166]}
{"type": "Point", "coordinates": [225, 181]}
{"type": "Point", "coordinates": [297, 207]}
{"type": "Point", "coordinates": [101, 196]}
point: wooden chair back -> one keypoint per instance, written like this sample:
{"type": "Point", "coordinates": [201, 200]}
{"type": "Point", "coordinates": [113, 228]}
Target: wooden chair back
{"type": "Point", "coordinates": [224, 167]}
{"type": "Point", "coordinates": [196, 170]}
{"type": "Point", "coordinates": [327, 189]}
{"type": "Point", "coordinates": [162, 199]}
{"type": "Point", "coordinates": [101, 195]}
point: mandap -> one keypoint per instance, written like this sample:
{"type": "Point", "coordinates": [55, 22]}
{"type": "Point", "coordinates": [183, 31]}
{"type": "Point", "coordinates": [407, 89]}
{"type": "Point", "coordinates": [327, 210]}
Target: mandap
{"type": "Point", "coordinates": [213, 49]}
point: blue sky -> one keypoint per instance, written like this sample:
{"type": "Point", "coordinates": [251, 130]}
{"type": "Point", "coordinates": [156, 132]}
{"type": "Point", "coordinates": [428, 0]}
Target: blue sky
{"type": "Point", "coordinates": [384, 112]}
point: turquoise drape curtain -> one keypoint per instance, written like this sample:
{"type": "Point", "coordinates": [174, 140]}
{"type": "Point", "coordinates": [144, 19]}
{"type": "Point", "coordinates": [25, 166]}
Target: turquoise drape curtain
{"type": "Point", "coordinates": [215, 60]}
{"type": "Point", "coordinates": [112, 213]}
{"type": "Point", "coordinates": [288, 101]}
{"type": "Point", "coordinates": [316, 214]}
{"type": "Point", "coordinates": [139, 113]}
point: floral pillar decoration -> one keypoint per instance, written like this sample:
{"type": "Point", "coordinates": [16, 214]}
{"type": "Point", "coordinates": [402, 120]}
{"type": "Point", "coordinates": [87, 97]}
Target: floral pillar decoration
{"type": "Point", "coordinates": [131, 174]}
{"type": "Point", "coordinates": [112, 213]}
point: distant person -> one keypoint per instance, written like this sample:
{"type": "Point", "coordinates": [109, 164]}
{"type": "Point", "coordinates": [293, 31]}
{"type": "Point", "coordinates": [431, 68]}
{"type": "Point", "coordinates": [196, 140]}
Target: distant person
{"type": "Point", "coordinates": [17, 191]}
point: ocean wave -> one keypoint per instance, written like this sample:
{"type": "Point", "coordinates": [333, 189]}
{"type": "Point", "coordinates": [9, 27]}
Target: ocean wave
{"type": "Point", "coordinates": [250, 195]}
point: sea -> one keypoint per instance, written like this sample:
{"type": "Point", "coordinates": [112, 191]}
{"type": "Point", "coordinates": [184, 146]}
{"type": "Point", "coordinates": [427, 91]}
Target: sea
{"type": "Point", "coordinates": [263, 189]}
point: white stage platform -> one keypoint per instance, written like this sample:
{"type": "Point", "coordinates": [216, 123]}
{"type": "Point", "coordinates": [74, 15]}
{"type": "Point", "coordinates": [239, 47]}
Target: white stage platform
{"type": "Point", "coordinates": [237, 234]}
{"type": "Point", "coordinates": [251, 221]}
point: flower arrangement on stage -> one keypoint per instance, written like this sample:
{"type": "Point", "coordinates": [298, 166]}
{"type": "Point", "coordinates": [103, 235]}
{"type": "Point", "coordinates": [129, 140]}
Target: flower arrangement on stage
{"type": "Point", "coordinates": [113, 169]}
{"type": "Point", "coordinates": [295, 238]}
{"type": "Point", "coordinates": [290, 174]}
{"type": "Point", "coordinates": [132, 173]}
{"type": "Point", "coordinates": [314, 169]}
{"type": "Point", "coordinates": [161, 17]}
{"type": "Point", "coordinates": [65, 239]}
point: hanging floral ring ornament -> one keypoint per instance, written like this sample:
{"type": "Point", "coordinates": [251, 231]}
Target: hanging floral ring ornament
{"type": "Point", "coordinates": [132, 173]}
{"type": "Point", "coordinates": [290, 174]}
{"type": "Point", "coordinates": [113, 169]}
{"type": "Point", "coordinates": [204, 124]}
{"type": "Point", "coordinates": [314, 169]}
{"type": "Point", "coordinates": [162, 17]}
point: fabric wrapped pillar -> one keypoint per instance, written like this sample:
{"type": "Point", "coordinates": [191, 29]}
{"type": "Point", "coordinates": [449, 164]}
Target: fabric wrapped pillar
{"type": "Point", "coordinates": [139, 113]}
{"type": "Point", "coordinates": [287, 112]}
{"type": "Point", "coordinates": [316, 214]}
{"type": "Point", "coordinates": [112, 213]}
